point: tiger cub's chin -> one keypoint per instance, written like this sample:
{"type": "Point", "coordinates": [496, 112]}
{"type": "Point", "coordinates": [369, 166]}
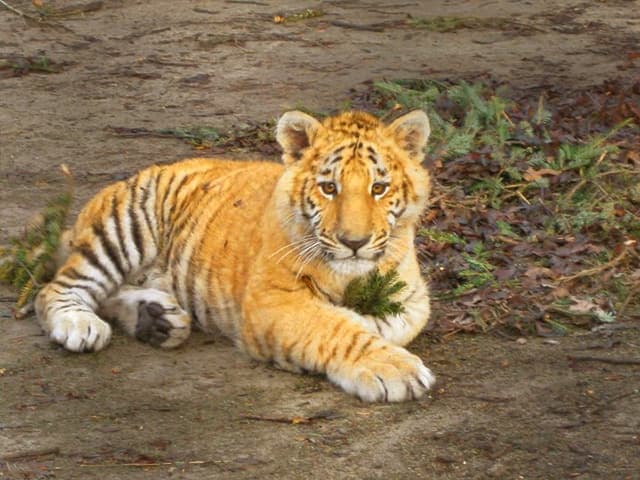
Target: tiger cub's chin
{"type": "Point", "coordinates": [352, 266]}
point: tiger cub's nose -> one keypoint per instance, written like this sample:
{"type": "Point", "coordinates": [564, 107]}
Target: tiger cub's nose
{"type": "Point", "coordinates": [354, 243]}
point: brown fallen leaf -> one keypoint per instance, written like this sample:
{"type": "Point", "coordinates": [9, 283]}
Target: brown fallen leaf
{"type": "Point", "coordinates": [531, 175]}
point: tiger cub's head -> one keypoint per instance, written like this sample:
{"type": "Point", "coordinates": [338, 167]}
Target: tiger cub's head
{"type": "Point", "coordinates": [352, 187]}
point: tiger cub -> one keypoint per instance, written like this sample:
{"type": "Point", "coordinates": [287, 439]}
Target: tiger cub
{"type": "Point", "coordinates": [262, 251]}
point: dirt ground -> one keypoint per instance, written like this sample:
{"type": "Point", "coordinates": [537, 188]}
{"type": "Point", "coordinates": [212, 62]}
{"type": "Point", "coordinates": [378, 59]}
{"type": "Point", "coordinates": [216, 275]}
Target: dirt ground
{"type": "Point", "coordinates": [503, 408]}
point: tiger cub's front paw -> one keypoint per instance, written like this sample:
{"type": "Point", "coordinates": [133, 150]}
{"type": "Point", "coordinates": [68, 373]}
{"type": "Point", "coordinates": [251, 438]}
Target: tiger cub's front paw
{"type": "Point", "coordinates": [80, 331]}
{"type": "Point", "coordinates": [386, 374]}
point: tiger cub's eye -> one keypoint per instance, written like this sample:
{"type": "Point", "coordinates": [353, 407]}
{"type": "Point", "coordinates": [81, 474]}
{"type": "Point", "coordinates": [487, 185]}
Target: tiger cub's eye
{"type": "Point", "coordinates": [328, 188]}
{"type": "Point", "coordinates": [379, 188]}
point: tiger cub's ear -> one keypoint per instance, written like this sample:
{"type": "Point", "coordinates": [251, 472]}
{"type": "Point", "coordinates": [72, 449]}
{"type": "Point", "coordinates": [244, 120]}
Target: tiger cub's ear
{"type": "Point", "coordinates": [411, 132]}
{"type": "Point", "coordinates": [295, 132]}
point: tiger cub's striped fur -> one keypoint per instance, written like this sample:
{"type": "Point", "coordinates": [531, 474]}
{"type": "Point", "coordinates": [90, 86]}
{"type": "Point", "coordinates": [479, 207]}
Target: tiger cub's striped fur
{"type": "Point", "coordinates": [262, 251]}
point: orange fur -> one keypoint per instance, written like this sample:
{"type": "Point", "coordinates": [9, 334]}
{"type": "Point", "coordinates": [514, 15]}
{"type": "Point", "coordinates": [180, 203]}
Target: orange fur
{"type": "Point", "coordinates": [262, 251]}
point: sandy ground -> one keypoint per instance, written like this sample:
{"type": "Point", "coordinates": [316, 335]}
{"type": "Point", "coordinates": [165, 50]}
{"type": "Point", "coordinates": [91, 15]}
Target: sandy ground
{"type": "Point", "coordinates": [501, 409]}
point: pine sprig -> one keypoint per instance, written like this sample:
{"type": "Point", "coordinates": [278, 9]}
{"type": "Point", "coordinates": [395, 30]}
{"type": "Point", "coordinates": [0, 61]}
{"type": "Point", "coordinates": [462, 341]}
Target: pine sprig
{"type": "Point", "coordinates": [29, 261]}
{"type": "Point", "coordinates": [370, 294]}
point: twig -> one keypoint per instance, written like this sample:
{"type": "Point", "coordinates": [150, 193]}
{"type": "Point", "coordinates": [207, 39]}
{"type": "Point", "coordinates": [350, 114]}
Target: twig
{"type": "Point", "coordinates": [36, 20]}
{"type": "Point", "coordinates": [135, 35]}
{"type": "Point", "coordinates": [607, 402]}
{"type": "Point", "coordinates": [568, 313]}
{"type": "Point", "coordinates": [248, 2]}
{"type": "Point", "coordinates": [13, 9]}
{"type": "Point", "coordinates": [36, 284]}
{"type": "Point", "coordinates": [506, 115]}
{"type": "Point", "coordinates": [524, 199]}
{"type": "Point", "coordinates": [488, 398]}
{"type": "Point", "coordinates": [611, 360]}
{"type": "Point", "coordinates": [77, 9]}
{"type": "Point", "coordinates": [575, 188]}
{"type": "Point", "coordinates": [38, 452]}
{"type": "Point", "coordinates": [584, 181]}
{"type": "Point", "coordinates": [369, 28]}
{"type": "Point", "coordinates": [328, 415]}
{"type": "Point", "coordinates": [632, 294]}
{"type": "Point", "coordinates": [591, 271]}
{"type": "Point", "coordinates": [275, 419]}
{"type": "Point", "coordinates": [142, 464]}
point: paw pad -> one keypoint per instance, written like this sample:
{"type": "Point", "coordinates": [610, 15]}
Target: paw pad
{"type": "Point", "coordinates": [152, 326]}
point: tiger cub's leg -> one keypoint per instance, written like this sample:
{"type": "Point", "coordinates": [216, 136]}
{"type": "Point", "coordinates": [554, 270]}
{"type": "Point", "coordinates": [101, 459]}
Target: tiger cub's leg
{"type": "Point", "coordinates": [115, 236]}
{"type": "Point", "coordinates": [152, 316]}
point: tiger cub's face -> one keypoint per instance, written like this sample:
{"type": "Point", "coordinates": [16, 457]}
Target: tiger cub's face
{"type": "Point", "coordinates": [351, 184]}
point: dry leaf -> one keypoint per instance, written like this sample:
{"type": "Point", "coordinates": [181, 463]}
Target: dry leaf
{"type": "Point", "coordinates": [531, 175]}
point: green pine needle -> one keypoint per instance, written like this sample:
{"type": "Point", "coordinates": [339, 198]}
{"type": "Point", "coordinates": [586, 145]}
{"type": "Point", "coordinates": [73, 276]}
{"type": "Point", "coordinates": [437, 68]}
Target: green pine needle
{"type": "Point", "coordinates": [370, 294]}
{"type": "Point", "coordinates": [29, 262]}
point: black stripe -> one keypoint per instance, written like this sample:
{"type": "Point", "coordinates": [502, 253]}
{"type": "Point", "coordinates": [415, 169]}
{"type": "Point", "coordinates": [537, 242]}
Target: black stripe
{"type": "Point", "coordinates": [174, 200]}
{"type": "Point", "coordinates": [303, 194]}
{"type": "Point", "coordinates": [186, 215]}
{"type": "Point", "coordinates": [90, 256]}
{"type": "Point", "coordinates": [288, 358]}
{"type": "Point", "coordinates": [405, 194]}
{"type": "Point", "coordinates": [165, 196]}
{"type": "Point", "coordinates": [363, 349]}
{"type": "Point", "coordinates": [311, 202]}
{"type": "Point", "coordinates": [190, 276]}
{"type": "Point", "coordinates": [74, 308]}
{"type": "Point", "coordinates": [73, 274]}
{"type": "Point", "coordinates": [384, 320]}
{"type": "Point", "coordinates": [109, 248]}
{"type": "Point", "coordinates": [157, 206]}
{"type": "Point", "coordinates": [178, 246]}
{"type": "Point", "coordinates": [145, 208]}
{"type": "Point", "coordinates": [336, 159]}
{"type": "Point", "coordinates": [122, 245]}
{"type": "Point", "coordinates": [62, 303]}
{"type": "Point", "coordinates": [174, 285]}
{"type": "Point", "coordinates": [191, 290]}
{"type": "Point", "coordinates": [92, 292]}
{"type": "Point", "coordinates": [56, 291]}
{"type": "Point", "coordinates": [207, 314]}
{"type": "Point", "coordinates": [174, 197]}
{"type": "Point", "coordinates": [135, 221]}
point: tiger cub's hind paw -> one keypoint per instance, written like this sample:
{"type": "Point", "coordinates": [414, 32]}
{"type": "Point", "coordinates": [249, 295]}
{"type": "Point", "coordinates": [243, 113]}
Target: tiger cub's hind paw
{"type": "Point", "coordinates": [160, 326]}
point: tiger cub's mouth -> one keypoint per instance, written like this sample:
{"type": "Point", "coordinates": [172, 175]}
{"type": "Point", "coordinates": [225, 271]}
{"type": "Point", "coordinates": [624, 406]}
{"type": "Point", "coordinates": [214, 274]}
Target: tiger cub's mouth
{"type": "Point", "coordinates": [352, 266]}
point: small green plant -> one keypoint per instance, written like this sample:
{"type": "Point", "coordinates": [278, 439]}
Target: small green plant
{"type": "Point", "coordinates": [39, 63]}
{"type": "Point", "coordinates": [478, 272]}
{"type": "Point", "coordinates": [409, 97]}
{"type": "Point", "coordinates": [439, 236]}
{"type": "Point", "coordinates": [28, 262]}
{"type": "Point", "coordinates": [443, 24]}
{"type": "Point", "coordinates": [196, 136]}
{"type": "Point", "coordinates": [506, 229]}
{"type": "Point", "coordinates": [306, 14]}
{"type": "Point", "coordinates": [370, 294]}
